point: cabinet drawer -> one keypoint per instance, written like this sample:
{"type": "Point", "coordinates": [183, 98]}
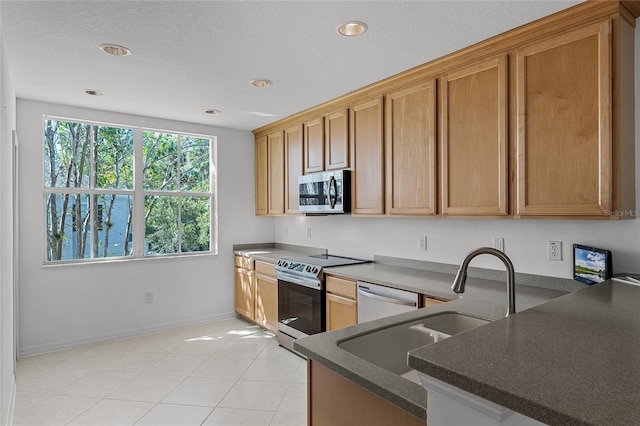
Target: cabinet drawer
{"type": "Point", "coordinates": [346, 288]}
{"type": "Point", "coordinates": [265, 268]}
{"type": "Point", "coordinates": [243, 262]}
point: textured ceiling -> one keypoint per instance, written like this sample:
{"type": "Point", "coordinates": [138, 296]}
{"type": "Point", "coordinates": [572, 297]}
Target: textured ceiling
{"type": "Point", "coordinates": [189, 56]}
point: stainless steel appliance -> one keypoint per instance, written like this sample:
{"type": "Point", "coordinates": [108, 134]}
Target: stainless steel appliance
{"type": "Point", "coordinates": [325, 192]}
{"type": "Point", "coordinates": [301, 295]}
{"type": "Point", "coordinates": [376, 301]}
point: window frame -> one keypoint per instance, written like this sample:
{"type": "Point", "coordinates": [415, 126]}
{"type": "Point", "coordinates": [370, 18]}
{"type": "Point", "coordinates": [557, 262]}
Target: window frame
{"type": "Point", "coordinates": [138, 194]}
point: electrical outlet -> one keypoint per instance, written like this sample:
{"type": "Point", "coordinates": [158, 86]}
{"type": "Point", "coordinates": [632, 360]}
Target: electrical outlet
{"type": "Point", "coordinates": [148, 297]}
{"type": "Point", "coordinates": [554, 250]}
{"type": "Point", "coordinates": [498, 243]}
{"type": "Point", "coordinates": [309, 232]}
{"type": "Point", "coordinates": [422, 243]}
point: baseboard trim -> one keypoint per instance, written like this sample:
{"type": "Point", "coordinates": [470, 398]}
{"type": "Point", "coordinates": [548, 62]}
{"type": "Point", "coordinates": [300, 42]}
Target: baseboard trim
{"type": "Point", "coordinates": [12, 402]}
{"type": "Point", "coordinates": [140, 331]}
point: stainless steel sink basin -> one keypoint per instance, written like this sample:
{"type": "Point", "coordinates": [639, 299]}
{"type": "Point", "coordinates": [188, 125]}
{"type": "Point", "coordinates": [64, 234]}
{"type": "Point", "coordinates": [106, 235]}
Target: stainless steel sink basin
{"type": "Point", "coordinates": [387, 348]}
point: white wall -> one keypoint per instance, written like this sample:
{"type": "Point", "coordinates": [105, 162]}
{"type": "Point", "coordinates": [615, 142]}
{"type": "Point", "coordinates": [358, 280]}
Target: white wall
{"type": "Point", "coordinates": [448, 240]}
{"type": "Point", "coordinates": [64, 306]}
{"type": "Point", "coordinates": [7, 125]}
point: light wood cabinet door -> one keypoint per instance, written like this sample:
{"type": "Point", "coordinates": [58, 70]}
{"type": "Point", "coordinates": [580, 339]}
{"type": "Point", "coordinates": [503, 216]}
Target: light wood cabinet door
{"type": "Point", "coordinates": [431, 301]}
{"type": "Point", "coordinates": [293, 142]}
{"type": "Point", "coordinates": [337, 140]}
{"type": "Point", "coordinates": [335, 400]}
{"type": "Point", "coordinates": [266, 306]}
{"type": "Point", "coordinates": [411, 149]}
{"type": "Point", "coordinates": [473, 150]}
{"type": "Point", "coordinates": [244, 293]}
{"type": "Point", "coordinates": [341, 287]}
{"type": "Point", "coordinates": [262, 176]}
{"type": "Point", "coordinates": [276, 173]}
{"type": "Point", "coordinates": [314, 145]}
{"type": "Point", "coordinates": [367, 157]}
{"type": "Point", "coordinates": [564, 141]}
{"type": "Point", "coordinates": [341, 312]}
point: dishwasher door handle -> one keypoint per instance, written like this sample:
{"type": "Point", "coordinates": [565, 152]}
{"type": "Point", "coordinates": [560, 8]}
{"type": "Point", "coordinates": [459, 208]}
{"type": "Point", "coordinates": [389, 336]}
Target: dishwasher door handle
{"type": "Point", "coordinates": [384, 298]}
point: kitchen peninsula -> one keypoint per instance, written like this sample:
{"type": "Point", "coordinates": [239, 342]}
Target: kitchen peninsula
{"type": "Point", "coordinates": [484, 298]}
{"type": "Point", "coordinates": [573, 360]}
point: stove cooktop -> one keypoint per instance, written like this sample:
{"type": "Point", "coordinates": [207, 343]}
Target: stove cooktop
{"type": "Point", "coordinates": [312, 266]}
{"type": "Point", "coordinates": [328, 260]}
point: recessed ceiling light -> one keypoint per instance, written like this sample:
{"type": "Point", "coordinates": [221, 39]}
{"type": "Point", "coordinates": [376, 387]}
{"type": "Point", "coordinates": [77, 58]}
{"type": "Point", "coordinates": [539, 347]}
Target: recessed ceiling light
{"type": "Point", "coordinates": [114, 49]}
{"type": "Point", "coordinates": [212, 111]}
{"type": "Point", "coordinates": [352, 28]}
{"type": "Point", "coordinates": [261, 82]}
{"type": "Point", "coordinates": [94, 92]}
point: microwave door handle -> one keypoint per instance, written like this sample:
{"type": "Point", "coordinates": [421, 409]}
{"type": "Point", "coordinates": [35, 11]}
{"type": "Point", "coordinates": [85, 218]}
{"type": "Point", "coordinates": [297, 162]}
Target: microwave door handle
{"type": "Point", "coordinates": [333, 199]}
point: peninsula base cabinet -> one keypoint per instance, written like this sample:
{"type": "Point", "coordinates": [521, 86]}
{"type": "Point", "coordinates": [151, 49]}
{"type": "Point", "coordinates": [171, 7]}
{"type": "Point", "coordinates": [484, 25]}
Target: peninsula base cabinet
{"type": "Point", "coordinates": [335, 400]}
{"type": "Point", "coordinates": [448, 405]}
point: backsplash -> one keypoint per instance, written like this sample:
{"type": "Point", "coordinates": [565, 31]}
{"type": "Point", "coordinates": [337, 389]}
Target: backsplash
{"type": "Point", "coordinates": [449, 240]}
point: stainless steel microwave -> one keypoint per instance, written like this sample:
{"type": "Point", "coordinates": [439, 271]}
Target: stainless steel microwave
{"type": "Point", "coordinates": [325, 192]}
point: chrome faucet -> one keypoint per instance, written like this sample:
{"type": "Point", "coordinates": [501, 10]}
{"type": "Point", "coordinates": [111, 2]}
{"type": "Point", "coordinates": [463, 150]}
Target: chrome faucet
{"type": "Point", "coordinates": [461, 276]}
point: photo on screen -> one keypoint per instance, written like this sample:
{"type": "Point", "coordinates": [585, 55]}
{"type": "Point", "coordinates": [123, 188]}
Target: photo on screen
{"type": "Point", "coordinates": [591, 265]}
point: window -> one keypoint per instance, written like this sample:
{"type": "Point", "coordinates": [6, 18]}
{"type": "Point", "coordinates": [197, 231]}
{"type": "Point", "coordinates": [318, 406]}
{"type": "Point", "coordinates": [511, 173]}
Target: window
{"type": "Point", "coordinates": [113, 191]}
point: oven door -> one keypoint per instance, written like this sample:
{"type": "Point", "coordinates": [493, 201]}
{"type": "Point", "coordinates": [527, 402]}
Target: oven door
{"type": "Point", "coordinates": [301, 309]}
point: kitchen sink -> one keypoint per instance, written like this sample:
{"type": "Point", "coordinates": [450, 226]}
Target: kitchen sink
{"type": "Point", "coordinates": [387, 348]}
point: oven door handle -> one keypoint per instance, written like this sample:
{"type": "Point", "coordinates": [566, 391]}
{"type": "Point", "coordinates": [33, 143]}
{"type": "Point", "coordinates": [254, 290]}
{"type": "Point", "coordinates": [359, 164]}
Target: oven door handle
{"type": "Point", "coordinates": [306, 282]}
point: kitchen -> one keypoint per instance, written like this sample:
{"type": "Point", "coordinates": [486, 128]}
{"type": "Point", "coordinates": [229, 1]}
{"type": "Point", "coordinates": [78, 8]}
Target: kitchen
{"type": "Point", "coordinates": [448, 241]}
{"type": "Point", "coordinates": [348, 132]}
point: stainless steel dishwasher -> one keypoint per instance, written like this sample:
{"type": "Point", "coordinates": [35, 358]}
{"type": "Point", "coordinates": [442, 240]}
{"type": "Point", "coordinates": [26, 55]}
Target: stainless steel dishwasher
{"type": "Point", "coordinates": [376, 301]}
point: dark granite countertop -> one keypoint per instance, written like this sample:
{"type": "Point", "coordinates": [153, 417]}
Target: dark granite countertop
{"type": "Point", "coordinates": [573, 360]}
{"type": "Point", "coordinates": [484, 298]}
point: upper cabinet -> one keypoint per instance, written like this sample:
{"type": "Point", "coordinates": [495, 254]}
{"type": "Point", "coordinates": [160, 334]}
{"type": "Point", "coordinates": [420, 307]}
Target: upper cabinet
{"type": "Point", "coordinates": [473, 133]}
{"type": "Point", "coordinates": [367, 156]}
{"type": "Point", "coordinates": [293, 148]}
{"type": "Point", "coordinates": [411, 149]}
{"type": "Point", "coordinates": [314, 145]}
{"type": "Point", "coordinates": [564, 137]}
{"type": "Point", "coordinates": [269, 169]}
{"type": "Point", "coordinates": [276, 173]}
{"type": "Point", "coordinates": [537, 122]}
{"type": "Point", "coordinates": [337, 139]}
{"type": "Point", "coordinates": [262, 176]}
{"type": "Point", "coordinates": [326, 142]}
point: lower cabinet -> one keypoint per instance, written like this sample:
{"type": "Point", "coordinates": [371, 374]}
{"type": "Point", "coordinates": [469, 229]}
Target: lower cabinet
{"type": "Point", "coordinates": [266, 306]}
{"type": "Point", "coordinates": [342, 305]}
{"type": "Point", "coordinates": [256, 292]}
{"type": "Point", "coordinates": [335, 400]}
{"type": "Point", "coordinates": [245, 287]}
{"type": "Point", "coordinates": [428, 300]}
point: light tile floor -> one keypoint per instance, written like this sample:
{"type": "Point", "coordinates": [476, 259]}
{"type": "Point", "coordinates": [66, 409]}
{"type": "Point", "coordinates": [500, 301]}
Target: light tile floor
{"type": "Point", "coordinates": [224, 373]}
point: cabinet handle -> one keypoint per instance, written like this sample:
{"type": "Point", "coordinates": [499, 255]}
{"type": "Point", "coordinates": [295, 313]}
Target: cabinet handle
{"type": "Point", "coordinates": [385, 299]}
